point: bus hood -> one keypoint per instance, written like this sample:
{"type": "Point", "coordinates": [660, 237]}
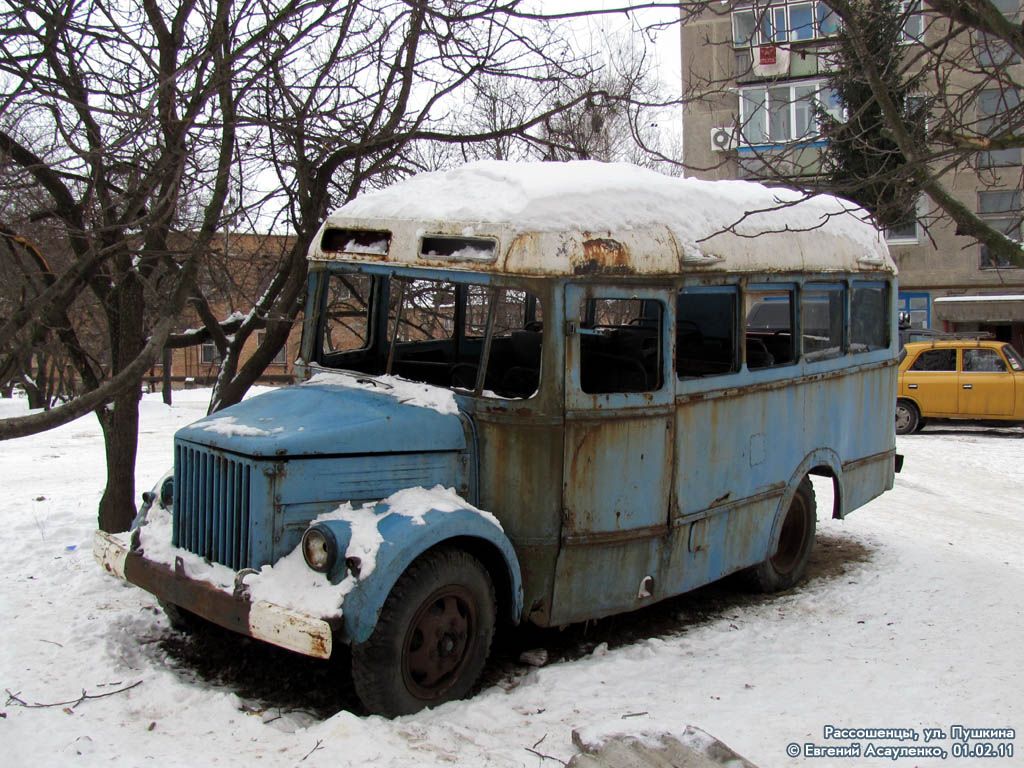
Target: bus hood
{"type": "Point", "coordinates": [335, 414]}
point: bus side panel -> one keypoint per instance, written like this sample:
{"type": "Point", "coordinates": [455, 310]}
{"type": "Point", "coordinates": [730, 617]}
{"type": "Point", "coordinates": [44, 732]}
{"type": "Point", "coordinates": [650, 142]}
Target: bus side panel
{"type": "Point", "coordinates": [595, 579]}
{"type": "Point", "coordinates": [868, 454]}
{"type": "Point", "coordinates": [520, 484]}
{"type": "Point", "coordinates": [726, 540]}
{"type": "Point", "coordinates": [736, 447]}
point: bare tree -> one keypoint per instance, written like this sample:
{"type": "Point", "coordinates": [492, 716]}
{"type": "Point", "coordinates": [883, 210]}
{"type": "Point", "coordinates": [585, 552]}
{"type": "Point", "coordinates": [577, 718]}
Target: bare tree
{"type": "Point", "coordinates": [137, 131]}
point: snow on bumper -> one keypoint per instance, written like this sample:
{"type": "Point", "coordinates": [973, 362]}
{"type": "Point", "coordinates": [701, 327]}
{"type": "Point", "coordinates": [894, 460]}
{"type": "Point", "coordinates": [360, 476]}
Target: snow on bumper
{"type": "Point", "coordinates": [265, 621]}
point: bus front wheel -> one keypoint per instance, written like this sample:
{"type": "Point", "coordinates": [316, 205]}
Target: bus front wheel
{"type": "Point", "coordinates": [787, 565]}
{"type": "Point", "coordinates": [432, 637]}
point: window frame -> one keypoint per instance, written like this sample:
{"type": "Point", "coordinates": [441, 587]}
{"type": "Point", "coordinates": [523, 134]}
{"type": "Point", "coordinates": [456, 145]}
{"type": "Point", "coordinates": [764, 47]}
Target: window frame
{"type": "Point", "coordinates": [887, 320]}
{"type": "Point", "coordinates": [1006, 100]}
{"type": "Point", "coordinates": [826, 288]}
{"type": "Point", "coordinates": [763, 110]}
{"type": "Point", "coordinates": [907, 239]}
{"type": "Point", "coordinates": [281, 358]}
{"type": "Point", "coordinates": [766, 18]}
{"type": "Point", "coordinates": [934, 352]}
{"type": "Point", "coordinates": [911, 16]}
{"type": "Point", "coordinates": [736, 361]}
{"type": "Point", "coordinates": [1010, 219]}
{"type": "Point", "coordinates": [793, 291]}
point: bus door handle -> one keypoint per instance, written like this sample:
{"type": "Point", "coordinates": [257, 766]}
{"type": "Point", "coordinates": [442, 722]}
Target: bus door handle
{"type": "Point", "coordinates": [911, 386]}
{"type": "Point", "coordinates": [968, 386]}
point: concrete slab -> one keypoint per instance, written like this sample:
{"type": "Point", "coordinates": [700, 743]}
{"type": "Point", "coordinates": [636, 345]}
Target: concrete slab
{"type": "Point", "coordinates": [693, 748]}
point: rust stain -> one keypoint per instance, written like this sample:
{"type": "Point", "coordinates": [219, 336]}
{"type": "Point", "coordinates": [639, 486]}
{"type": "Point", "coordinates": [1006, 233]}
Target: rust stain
{"type": "Point", "coordinates": [319, 646]}
{"type": "Point", "coordinates": [604, 256]}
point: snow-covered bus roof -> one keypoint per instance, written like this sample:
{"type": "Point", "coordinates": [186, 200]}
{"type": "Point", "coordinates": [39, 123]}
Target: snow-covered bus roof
{"type": "Point", "coordinates": [587, 217]}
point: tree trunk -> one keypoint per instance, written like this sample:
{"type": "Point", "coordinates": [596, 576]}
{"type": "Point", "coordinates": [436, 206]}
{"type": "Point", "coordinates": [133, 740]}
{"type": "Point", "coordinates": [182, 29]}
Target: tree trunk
{"type": "Point", "coordinates": [120, 424]}
{"type": "Point", "coordinates": [120, 419]}
{"type": "Point", "coordinates": [166, 377]}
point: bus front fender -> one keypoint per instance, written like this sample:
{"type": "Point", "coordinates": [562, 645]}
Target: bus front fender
{"type": "Point", "coordinates": [402, 539]}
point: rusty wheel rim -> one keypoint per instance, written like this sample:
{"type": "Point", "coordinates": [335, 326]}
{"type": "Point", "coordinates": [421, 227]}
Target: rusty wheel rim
{"type": "Point", "coordinates": [791, 537]}
{"type": "Point", "coordinates": [439, 641]}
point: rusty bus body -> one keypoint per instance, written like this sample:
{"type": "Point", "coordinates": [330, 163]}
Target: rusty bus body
{"type": "Point", "coordinates": [614, 430]}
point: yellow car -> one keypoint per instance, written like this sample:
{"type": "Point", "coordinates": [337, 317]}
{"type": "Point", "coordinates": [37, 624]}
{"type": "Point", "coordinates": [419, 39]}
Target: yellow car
{"type": "Point", "coordinates": [959, 379]}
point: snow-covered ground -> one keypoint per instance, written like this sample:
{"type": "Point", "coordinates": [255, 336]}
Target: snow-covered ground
{"type": "Point", "coordinates": [912, 618]}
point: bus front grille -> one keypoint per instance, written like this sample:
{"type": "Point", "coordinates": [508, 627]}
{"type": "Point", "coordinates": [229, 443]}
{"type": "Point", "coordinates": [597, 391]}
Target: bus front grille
{"type": "Point", "coordinates": [212, 503]}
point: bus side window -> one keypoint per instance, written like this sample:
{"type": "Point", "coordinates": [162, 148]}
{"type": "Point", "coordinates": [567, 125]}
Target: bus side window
{"type": "Point", "coordinates": [620, 346]}
{"type": "Point", "coordinates": [822, 317]}
{"type": "Point", "coordinates": [769, 338]}
{"type": "Point", "coordinates": [869, 317]}
{"type": "Point", "coordinates": [706, 332]}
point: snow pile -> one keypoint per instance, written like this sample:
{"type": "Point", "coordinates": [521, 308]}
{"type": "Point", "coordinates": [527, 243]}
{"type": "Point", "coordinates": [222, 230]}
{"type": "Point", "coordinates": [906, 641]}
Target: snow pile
{"type": "Point", "coordinates": [227, 425]}
{"type": "Point", "coordinates": [404, 391]}
{"type": "Point", "coordinates": [596, 197]}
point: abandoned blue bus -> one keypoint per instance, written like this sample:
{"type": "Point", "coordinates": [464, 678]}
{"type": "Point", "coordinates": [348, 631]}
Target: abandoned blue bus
{"type": "Point", "coordinates": [533, 393]}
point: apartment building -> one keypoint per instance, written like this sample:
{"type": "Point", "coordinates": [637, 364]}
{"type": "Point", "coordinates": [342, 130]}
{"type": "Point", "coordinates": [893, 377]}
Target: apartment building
{"type": "Point", "coordinates": [751, 73]}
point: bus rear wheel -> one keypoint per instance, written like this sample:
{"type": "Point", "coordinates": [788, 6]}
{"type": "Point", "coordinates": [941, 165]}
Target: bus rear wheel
{"type": "Point", "coordinates": [432, 637]}
{"type": "Point", "coordinates": [787, 565]}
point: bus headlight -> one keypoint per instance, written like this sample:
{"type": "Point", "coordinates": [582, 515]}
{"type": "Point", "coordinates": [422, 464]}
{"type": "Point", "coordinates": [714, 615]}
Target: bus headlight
{"type": "Point", "coordinates": [319, 548]}
{"type": "Point", "coordinates": [167, 492]}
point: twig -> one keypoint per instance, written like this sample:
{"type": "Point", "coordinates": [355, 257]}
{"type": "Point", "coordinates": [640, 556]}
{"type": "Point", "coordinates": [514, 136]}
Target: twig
{"type": "Point", "coordinates": [314, 749]}
{"type": "Point", "coordinates": [51, 642]}
{"type": "Point", "coordinates": [538, 741]}
{"type": "Point", "coordinates": [633, 714]}
{"type": "Point", "coordinates": [11, 697]}
{"type": "Point", "coordinates": [546, 757]}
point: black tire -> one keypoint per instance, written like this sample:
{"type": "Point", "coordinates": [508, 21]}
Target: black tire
{"type": "Point", "coordinates": [787, 565]}
{"type": "Point", "coordinates": [908, 418]}
{"type": "Point", "coordinates": [432, 637]}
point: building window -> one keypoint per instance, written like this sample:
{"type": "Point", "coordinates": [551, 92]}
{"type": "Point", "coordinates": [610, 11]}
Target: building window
{"type": "Point", "coordinates": [913, 23]}
{"type": "Point", "coordinates": [784, 112]}
{"type": "Point", "coordinates": [994, 51]}
{"type": "Point", "coordinates": [905, 231]}
{"type": "Point", "coordinates": [916, 308]}
{"type": "Point", "coordinates": [1001, 210]}
{"type": "Point", "coordinates": [208, 353]}
{"type": "Point", "coordinates": [783, 21]}
{"type": "Point", "coordinates": [994, 106]}
{"type": "Point", "coordinates": [281, 358]}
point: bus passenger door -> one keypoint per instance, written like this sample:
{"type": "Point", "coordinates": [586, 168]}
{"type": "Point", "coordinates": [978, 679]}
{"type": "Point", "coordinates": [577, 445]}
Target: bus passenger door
{"type": "Point", "coordinates": [619, 433]}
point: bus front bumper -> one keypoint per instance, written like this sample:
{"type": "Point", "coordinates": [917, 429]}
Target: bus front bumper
{"type": "Point", "coordinates": [262, 620]}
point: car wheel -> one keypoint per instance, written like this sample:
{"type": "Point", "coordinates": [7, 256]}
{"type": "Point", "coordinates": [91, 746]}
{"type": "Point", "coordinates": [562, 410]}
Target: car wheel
{"type": "Point", "coordinates": [432, 637]}
{"type": "Point", "coordinates": [908, 418]}
{"type": "Point", "coordinates": [786, 566]}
